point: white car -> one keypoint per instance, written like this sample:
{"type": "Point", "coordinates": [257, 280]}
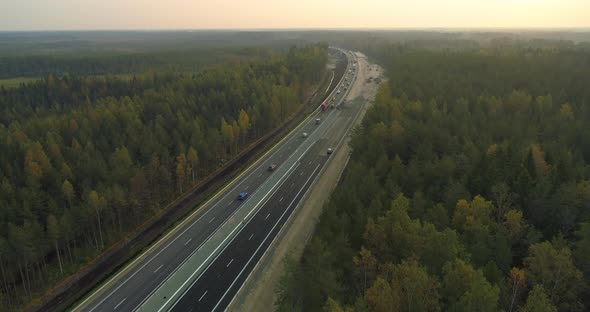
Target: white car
{"type": "Point", "coordinates": [330, 151]}
{"type": "Point", "coordinates": [304, 134]}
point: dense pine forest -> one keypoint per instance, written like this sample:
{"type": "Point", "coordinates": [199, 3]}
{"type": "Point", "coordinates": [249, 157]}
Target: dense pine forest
{"type": "Point", "coordinates": [38, 54]}
{"type": "Point", "coordinates": [468, 188]}
{"type": "Point", "coordinates": [112, 62]}
{"type": "Point", "coordinates": [86, 159]}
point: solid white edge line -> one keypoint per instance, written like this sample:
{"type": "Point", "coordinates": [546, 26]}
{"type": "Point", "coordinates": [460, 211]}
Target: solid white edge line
{"type": "Point", "coordinates": [183, 223]}
{"type": "Point", "coordinates": [265, 238]}
{"type": "Point", "coordinates": [290, 216]}
{"type": "Point", "coordinates": [210, 235]}
{"type": "Point", "coordinates": [229, 236]}
{"type": "Point", "coordinates": [194, 251]}
{"type": "Point", "coordinates": [198, 210]}
{"type": "Point", "coordinates": [303, 154]}
{"type": "Point", "coordinates": [271, 192]}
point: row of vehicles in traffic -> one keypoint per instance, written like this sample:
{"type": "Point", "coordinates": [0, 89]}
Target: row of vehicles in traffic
{"type": "Point", "coordinates": [343, 86]}
{"type": "Point", "coordinates": [272, 167]}
{"type": "Point", "coordinates": [324, 106]}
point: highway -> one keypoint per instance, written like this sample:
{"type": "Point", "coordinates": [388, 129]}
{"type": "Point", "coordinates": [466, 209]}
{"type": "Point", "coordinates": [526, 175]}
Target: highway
{"type": "Point", "coordinates": [218, 284]}
{"type": "Point", "coordinates": [273, 196]}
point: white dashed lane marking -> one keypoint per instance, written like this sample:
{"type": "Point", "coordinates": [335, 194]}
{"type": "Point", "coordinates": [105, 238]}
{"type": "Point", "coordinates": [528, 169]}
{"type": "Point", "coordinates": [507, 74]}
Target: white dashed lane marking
{"type": "Point", "coordinates": [203, 295]}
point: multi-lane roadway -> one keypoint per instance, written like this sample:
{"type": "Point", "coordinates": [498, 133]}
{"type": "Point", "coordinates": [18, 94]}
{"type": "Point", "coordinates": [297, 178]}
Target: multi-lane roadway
{"type": "Point", "coordinates": [203, 262]}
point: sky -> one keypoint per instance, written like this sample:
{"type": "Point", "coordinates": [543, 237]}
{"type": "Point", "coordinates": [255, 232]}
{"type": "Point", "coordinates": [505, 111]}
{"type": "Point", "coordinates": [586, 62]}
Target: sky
{"type": "Point", "coordinates": [276, 14]}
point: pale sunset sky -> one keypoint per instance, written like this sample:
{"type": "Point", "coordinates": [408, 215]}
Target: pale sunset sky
{"type": "Point", "coordinates": [274, 14]}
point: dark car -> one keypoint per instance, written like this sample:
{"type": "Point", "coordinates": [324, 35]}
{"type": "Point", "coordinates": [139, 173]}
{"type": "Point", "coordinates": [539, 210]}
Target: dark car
{"type": "Point", "coordinates": [272, 167]}
{"type": "Point", "coordinates": [242, 196]}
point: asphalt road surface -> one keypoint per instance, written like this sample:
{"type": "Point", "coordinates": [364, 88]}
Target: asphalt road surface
{"type": "Point", "coordinates": [130, 288]}
{"type": "Point", "coordinates": [217, 285]}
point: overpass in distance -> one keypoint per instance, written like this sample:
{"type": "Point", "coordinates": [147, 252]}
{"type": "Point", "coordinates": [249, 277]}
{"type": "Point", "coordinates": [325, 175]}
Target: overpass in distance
{"type": "Point", "coordinates": [202, 263]}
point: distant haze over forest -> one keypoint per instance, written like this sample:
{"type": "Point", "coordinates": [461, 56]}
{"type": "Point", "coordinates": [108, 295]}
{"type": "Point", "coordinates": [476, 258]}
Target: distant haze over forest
{"type": "Point", "coordinates": [99, 42]}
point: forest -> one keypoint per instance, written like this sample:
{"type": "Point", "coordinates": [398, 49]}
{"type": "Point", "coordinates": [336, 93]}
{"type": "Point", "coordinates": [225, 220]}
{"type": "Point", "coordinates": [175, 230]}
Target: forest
{"type": "Point", "coordinates": [114, 62]}
{"type": "Point", "coordinates": [38, 54]}
{"type": "Point", "coordinates": [86, 159]}
{"type": "Point", "coordinates": [468, 187]}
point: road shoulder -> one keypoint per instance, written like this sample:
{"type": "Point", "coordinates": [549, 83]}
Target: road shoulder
{"type": "Point", "coordinates": [257, 294]}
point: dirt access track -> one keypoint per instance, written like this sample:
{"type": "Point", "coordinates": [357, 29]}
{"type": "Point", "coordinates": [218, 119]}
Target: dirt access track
{"type": "Point", "coordinates": [258, 292]}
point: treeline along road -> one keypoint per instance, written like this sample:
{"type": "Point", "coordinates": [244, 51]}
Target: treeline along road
{"type": "Point", "coordinates": [85, 160]}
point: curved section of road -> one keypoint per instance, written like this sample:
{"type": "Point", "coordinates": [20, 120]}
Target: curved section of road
{"type": "Point", "coordinates": [198, 236]}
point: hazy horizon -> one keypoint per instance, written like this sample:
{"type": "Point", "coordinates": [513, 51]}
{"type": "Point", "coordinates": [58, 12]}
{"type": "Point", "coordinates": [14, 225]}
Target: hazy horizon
{"type": "Point", "coordinates": [71, 15]}
{"type": "Point", "coordinates": [263, 29]}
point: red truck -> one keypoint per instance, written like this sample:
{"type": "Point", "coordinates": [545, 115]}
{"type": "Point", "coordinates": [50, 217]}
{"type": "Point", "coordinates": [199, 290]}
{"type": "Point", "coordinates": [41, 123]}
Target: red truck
{"type": "Point", "coordinates": [324, 106]}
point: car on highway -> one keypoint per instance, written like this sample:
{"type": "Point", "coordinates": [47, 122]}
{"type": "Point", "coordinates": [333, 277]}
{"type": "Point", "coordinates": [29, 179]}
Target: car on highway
{"type": "Point", "coordinates": [338, 91]}
{"type": "Point", "coordinates": [317, 121]}
{"type": "Point", "coordinates": [242, 196]}
{"type": "Point", "coordinates": [330, 151]}
{"type": "Point", "coordinates": [272, 167]}
{"type": "Point", "coordinates": [304, 135]}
